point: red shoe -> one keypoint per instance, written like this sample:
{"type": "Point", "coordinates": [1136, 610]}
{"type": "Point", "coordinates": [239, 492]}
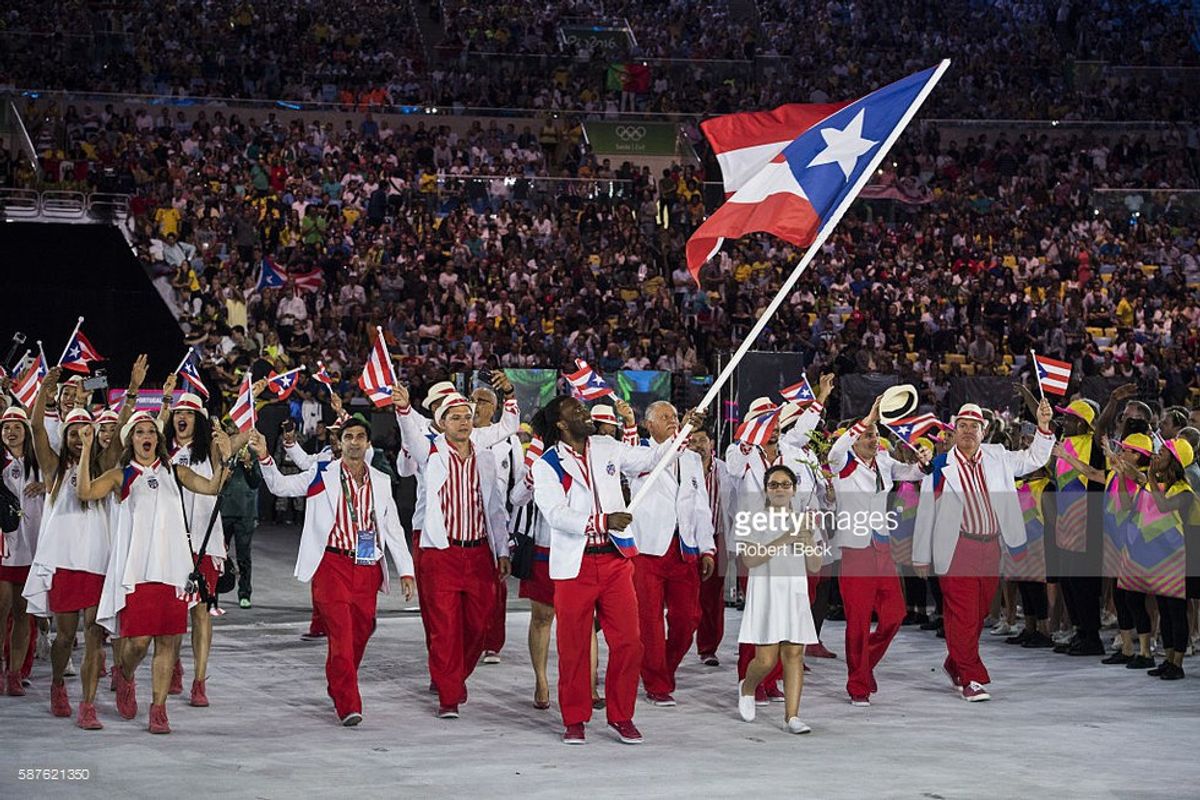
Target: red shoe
{"type": "Point", "coordinates": [87, 718]}
{"type": "Point", "coordinates": [574, 734]}
{"type": "Point", "coordinates": [126, 695]}
{"type": "Point", "coordinates": [627, 732]}
{"type": "Point", "coordinates": [176, 678]}
{"type": "Point", "coordinates": [819, 650]}
{"type": "Point", "coordinates": [199, 698]}
{"type": "Point", "coordinates": [158, 719]}
{"type": "Point", "coordinates": [60, 704]}
{"type": "Point", "coordinates": [661, 700]}
{"type": "Point", "coordinates": [775, 694]}
{"type": "Point", "coordinates": [15, 689]}
{"type": "Point", "coordinates": [975, 693]}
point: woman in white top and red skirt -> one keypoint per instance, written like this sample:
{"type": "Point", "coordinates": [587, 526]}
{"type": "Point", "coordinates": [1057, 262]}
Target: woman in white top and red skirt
{"type": "Point", "coordinates": [24, 480]}
{"type": "Point", "coordinates": [146, 589]}
{"type": "Point", "coordinates": [777, 618]}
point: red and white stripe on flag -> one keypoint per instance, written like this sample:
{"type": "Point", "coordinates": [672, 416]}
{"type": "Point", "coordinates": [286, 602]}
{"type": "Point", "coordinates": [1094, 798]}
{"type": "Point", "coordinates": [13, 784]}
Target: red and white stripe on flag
{"type": "Point", "coordinates": [79, 352]}
{"type": "Point", "coordinates": [745, 143]}
{"type": "Point", "coordinates": [587, 384]}
{"type": "Point", "coordinates": [30, 383]}
{"type": "Point", "coordinates": [1053, 375]}
{"type": "Point", "coordinates": [242, 412]}
{"type": "Point", "coordinates": [758, 430]}
{"type": "Point", "coordinates": [377, 376]}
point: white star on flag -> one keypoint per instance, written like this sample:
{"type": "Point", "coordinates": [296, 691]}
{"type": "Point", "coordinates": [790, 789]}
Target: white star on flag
{"type": "Point", "coordinates": [844, 147]}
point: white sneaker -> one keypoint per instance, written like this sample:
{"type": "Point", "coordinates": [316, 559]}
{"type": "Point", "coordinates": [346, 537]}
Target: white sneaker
{"type": "Point", "coordinates": [70, 670]}
{"type": "Point", "coordinates": [1063, 636]}
{"type": "Point", "coordinates": [1003, 629]}
{"type": "Point", "coordinates": [746, 705]}
{"type": "Point", "coordinates": [491, 657]}
{"type": "Point", "coordinates": [794, 725]}
{"type": "Point", "coordinates": [1109, 620]}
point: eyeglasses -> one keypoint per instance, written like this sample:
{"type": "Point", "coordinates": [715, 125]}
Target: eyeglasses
{"type": "Point", "coordinates": [780, 485]}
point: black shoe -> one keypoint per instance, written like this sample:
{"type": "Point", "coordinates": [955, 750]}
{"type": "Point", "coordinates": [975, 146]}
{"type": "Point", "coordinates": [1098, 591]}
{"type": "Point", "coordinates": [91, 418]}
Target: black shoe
{"type": "Point", "coordinates": [909, 619]}
{"type": "Point", "coordinates": [941, 632]}
{"type": "Point", "coordinates": [1020, 638]}
{"type": "Point", "coordinates": [931, 624]}
{"type": "Point", "coordinates": [1174, 672]}
{"type": "Point", "coordinates": [1038, 639]}
{"type": "Point", "coordinates": [920, 618]}
{"type": "Point", "coordinates": [1158, 671]}
{"type": "Point", "coordinates": [1118, 658]}
{"type": "Point", "coordinates": [1140, 662]}
{"type": "Point", "coordinates": [1093, 647]}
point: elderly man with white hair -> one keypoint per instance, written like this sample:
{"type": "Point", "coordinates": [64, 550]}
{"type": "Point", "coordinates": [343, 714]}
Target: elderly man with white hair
{"type": "Point", "coordinates": [968, 504]}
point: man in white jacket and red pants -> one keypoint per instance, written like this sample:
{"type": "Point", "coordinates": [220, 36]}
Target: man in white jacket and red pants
{"type": "Point", "coordinates": [577, 488]}
{"type": "Point", "coordinates": [863, 476]}
{"type": "Point", "coordinates": [673, 532]}
{"type": "Point", "coordinates": [967, 506]}
{"type": "Point", "coordinates": [350, 522]}
{"type": "Point", "coordinates": [463, 544]}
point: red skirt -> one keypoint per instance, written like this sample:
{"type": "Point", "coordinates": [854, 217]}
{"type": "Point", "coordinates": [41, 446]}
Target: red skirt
{"type": "Point", "coordinates": [538, 586]}
{"type": "Point", "coordinates": [152, 609]}
{"type": "Point", "coordinates": [17, 575]}
{"type": "Point", "coordinates": [74, 590]}
{"type": "Point", "coordinates": [208, 569]}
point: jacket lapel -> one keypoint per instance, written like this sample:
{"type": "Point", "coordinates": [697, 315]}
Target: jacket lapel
{"type": "Point", "coordinates": [333, 486]}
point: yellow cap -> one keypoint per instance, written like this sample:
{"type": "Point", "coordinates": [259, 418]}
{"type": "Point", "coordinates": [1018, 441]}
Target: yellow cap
{"type": "Point", "coordinates": [1081, 409]}
{"type": "Point", "coordinates": [1182, 450]}
{"type": "Point", "coordinates": [923, 441]}
{"type": "Point", "coordinates": [1138, 443]}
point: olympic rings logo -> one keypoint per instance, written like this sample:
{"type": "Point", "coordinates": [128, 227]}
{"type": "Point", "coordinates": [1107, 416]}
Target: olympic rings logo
{"type": "Point", "coordinates": [630, 133]}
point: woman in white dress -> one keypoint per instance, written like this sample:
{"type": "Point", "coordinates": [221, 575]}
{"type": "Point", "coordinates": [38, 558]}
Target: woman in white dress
{"type": "Point", "coordinates": [24, 480]}
{"type": "Point", "coordinates": [145, 596]}
{"type": "Point", "coordinates": [777, 618]}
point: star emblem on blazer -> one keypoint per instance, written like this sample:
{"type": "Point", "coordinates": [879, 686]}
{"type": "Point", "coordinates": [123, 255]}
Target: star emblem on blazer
{"type": "Point", "coordinates": [611, 469]}
{"type": "Point", "coordinates": [152, 483]}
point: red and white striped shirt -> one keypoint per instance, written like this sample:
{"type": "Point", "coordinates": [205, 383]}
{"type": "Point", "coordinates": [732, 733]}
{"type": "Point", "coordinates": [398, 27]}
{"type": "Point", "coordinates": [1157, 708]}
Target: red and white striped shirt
{"type": "Point", "coordinates": [712, 484]}
{"type": "Point", "coordinates": [979, 518]}
{"type": "Point", "coordinates": [597, 527]}
{"type": "Point", "coordinates": [462, 499]}
{"type": "Point", "coordinates": [344, 535]}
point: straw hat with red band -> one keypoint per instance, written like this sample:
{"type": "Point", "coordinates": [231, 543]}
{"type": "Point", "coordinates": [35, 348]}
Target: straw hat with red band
{"type": "Point", "coordinates": [190, 402]}
{"type": "Point", "coordinates": [604, 415]}
{"type": "Point", "coordinates": [107, 417]}
{"type": "Point", "coordinates": [76, 416]}
{"type": "Point", "coordinates": [790, 413]}
{"type": "Point", "coordinates": [1079, 409]}
{"type": "Point", "coordinates": [970, 411]}
{"type": "Point", "coordinates": [1182, 450]}
{"type": "Point", "coordinates": [14, 414]}
{"type": "Point", "coordinates": [760, 405]}
{"type": "Point", "coordinates": [439, 391]}
{"type": "Point", "coordinates": [1138, 443]}
{"type": "Point", "coordinates": [454, 400]}
{"type": "Point", "coordinates": [138, 416]}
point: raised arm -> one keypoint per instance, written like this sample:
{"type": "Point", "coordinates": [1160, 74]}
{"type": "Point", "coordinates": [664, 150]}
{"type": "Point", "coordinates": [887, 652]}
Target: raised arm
{"type": "Point", "coordinates": [164, 411]}
{"type": "Point", "coordinates": [412, 434]}
{"type": "Point", "coordinates": [1037, 454]}
{"type": "Point", "coordinates": [210, 486]}
{"type": "Point", "coordinates": [101, 487]}
{"type": "Point", "coordinates": [279, 484]}
{"type": "Point", "coordinates": [46, 455]}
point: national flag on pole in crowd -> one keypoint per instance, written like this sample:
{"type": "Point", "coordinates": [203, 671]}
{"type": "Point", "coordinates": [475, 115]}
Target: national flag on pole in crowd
{"type": "Point", "coordinates": [270, 276]}
{"type": "Point", "coordinates": [310, 281]}
{"type": "Point", "coordinates": [757, 430]}
{"type": "Point", "coordinates": [800, 190]}
{"type": "Point", "coordinates": [322, 376]}
{"type": "Point", "coordinates": [282, 385]}
{"type": "Point", "coordinates": [587, 384]}
{"type": "Point", "coordinates": [79, 352]}
{"type": "Point", "coordinates": [798, 392]}
{"type": "Point", "coordinates": [189, 370]}
{"type": "Point", "coordinates": [1053, 376]}
{"type": "Point", "coordinates": [29, 383]}
{"type": "Point", "coordinates": [377, 376]}
{"type": "Point", "coordinates": [242, 412]}
{"type": "Point", "coordinates": [912, 428]}
{"type": "Point", "coordinates": [745, 143]}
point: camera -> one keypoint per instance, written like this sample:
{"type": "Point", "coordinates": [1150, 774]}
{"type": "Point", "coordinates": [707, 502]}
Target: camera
{"type": "Point", "coordinates": [97, 381]}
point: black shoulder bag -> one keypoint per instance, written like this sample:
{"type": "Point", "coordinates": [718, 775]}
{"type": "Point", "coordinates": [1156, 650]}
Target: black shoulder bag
{"type": "Point", "coordinates": [196, 582]}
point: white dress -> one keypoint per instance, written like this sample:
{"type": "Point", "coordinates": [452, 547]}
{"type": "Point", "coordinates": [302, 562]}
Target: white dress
{"type": "Point", "coordinates": [199, 509]}
{"type": "Point", "coordinates": [777, 606]}
{"type": "Point", "coordinates": [21, 544]}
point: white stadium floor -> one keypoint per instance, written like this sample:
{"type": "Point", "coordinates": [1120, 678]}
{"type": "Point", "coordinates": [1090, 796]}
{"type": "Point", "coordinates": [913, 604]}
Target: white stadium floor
{"type": "Point", "coordinates": [1058, 727]}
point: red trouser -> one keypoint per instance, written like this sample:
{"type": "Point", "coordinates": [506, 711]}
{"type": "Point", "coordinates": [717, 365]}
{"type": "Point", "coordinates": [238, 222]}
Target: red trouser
{"type": "Point", "coordinates": [667, 580]}
{"type": "Point", "coordinates": [712, 614]}
{"type": "Point", "coordinates": [967, 592]}
{"type": "Point", "coordinates": [603, 589]}
{"type": "Point", "coordinates": [316, 625]}
{"type": "Point", "coordinates": [344, 594]}
{"type": "Point", "coordinates": [493, 640]}
{"type": "Point", "coordinates": [869, 584]}
{"type": "Point", "coordinates": [460, 592]}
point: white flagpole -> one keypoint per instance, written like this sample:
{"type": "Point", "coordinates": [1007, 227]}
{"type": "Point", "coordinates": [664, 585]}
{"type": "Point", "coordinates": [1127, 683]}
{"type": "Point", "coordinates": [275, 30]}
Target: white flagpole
{"type": "Point", "coordinates": [250, 386]}
{"type": "Point", "coordinates": [1037, 374]}
{"type": "Point", "coordinates": [21, 363]}
{"type": "Point", "coordinates": [186, 356]}
{"type": "Point", "coordinates": [786, 288]}
{"type": "Point", "coordinates": [70, 339]}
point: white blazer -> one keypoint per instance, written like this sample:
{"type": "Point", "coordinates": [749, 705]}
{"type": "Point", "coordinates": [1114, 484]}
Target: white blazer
{"type": "Point", "coordinates": [322, 484]}
{"type": "Point", "coordinates": [859, 496]}
{"type": "Point", "coordinates": [747, 470]}
{"type": "Point", "coordinates": [422, 426]}
{"type": "Point", "coordinates": [568, 505]}
{"type": "Point", "coordinates": [674, 502]}
{"type": "Point", "coordinates": [432, 457]}
{"type": "Point", "coordinates": [940, 508]}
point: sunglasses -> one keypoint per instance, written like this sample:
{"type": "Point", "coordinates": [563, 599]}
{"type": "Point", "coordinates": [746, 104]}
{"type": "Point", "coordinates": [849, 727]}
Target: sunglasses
{"type": "Point", "coordinates": [780, 485]}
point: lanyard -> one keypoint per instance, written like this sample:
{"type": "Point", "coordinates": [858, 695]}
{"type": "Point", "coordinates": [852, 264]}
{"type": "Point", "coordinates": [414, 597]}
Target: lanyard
{"type": "Point", "coordinates": [348, 499]}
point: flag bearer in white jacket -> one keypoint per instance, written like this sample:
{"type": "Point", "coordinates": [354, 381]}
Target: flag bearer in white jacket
{"type": "Point", "coordinates": [350, 522]}
{"type": "Point", "coordinates": [674, 535]}
{"type": "Point", "coordinates": [968, 504]}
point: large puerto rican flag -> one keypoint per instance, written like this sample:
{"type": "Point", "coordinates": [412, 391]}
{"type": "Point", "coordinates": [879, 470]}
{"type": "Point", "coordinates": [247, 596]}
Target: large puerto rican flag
{"type": "Point", "coordinates": [799, 190]}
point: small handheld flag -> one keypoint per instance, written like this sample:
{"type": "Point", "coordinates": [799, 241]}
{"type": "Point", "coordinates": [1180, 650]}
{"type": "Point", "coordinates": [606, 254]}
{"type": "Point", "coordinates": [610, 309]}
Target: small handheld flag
{"type": "Point", "coordinates": [322, 376]}
{"type": "Point", "coordinates": [270, 276]}
{"type": "Point", "coordinates": [910, 429]}
{"type": "Point", "coordinates": [79, 352]}
{"type": "Point", "coordinates": [189, 370]}
{"type": "Point", "coordinates": [799, 392]}
{"type": "Point", "coordinates": [242, 412]}
{"type": "Point", "coordinates": [30, 383]}
{"type": "Point", "coordinates": [377, 376]}
{"type": "Point", "coordinates": [1054, 376]}
{"type": "Point", "coordinates": [587, 383]}
{"type": "Point", "coordinates": [757, 430]}
{"type": "Point", "coordinates": [282, 385]}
